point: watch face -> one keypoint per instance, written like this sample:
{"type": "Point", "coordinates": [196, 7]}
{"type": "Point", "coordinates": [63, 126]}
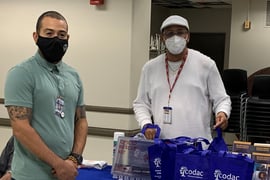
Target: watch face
{"type": "Point", "coordinates": [78, 157]}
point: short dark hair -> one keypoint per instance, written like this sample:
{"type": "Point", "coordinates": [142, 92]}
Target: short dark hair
{"type": "Point", "coordinates": [52, 14]}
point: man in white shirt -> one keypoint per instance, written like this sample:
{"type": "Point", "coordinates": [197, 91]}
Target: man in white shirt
{"type": "Point", "coordinates": [181, 89]}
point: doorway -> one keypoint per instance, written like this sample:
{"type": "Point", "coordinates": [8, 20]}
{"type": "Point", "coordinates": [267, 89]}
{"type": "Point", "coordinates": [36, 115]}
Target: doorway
{"type": "Point", "coordinates": [210, 44]}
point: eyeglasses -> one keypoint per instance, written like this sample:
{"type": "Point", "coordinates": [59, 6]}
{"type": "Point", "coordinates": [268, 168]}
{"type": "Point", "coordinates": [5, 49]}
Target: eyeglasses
{"type": "Point", "coordinates": [169, 34]}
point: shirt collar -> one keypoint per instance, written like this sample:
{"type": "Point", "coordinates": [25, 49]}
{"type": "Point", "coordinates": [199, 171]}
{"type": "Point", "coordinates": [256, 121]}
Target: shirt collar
{"type": "Point", "coordinates": [47, 65]}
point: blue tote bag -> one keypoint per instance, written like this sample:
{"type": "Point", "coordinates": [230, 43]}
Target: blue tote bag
{"type": "Point", "coordinates": [218, 143]}
{"type": "Point", "coordinates": [225, 165]}
{"type": "Point", "coordinates": [162, 155]}
{"type": "Point", "coordinates": [195, 163]}
{"type": "Point", "coordinates": [162, 158]}
{"type": "Point", "coordinates": [192, 165]}
{"type": "Point", "coordinates": [167, 157]}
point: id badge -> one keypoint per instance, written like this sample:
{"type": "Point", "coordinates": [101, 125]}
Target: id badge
{"type": "Point", "coordinates": [167, 113]}
{"type": "Point", "coordinates": [59, 107]}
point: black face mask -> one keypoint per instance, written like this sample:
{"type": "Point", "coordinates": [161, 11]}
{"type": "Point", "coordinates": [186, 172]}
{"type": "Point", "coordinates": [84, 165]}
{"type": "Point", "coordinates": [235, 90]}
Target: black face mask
{"type": "Point", "coordinates": [53, 49]}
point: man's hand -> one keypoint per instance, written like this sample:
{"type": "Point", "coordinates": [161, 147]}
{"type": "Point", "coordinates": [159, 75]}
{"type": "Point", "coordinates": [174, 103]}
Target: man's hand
{"type": "Point", "coordinates": [66, 170]}
{"type": "Point", "coordinates": [221, 121]}
{"type": "Point", "coordinates": [6, 176]}
{"type": "Point", "coordinates": [150, 133]}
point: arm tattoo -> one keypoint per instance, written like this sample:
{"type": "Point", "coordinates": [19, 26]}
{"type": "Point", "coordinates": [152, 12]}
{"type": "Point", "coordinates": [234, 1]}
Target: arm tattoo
{"type": "Point", "coordinates": [19, 113]}
{"type": "Point", "coordinates": [80, 113]}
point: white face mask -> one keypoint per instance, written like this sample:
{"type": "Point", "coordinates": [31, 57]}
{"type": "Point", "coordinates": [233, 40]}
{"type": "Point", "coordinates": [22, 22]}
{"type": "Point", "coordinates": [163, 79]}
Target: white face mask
{"type": "Point", "coordinates": [175, 44]}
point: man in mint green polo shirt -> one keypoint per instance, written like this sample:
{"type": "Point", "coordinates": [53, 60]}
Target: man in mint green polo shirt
{"type": "Point", "coordinates": [44, 99]}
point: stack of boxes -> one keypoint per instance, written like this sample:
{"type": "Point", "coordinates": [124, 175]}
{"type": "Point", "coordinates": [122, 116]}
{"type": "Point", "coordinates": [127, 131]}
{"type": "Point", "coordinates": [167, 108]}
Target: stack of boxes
{"type": "Point", "coordinates": [260, 153]}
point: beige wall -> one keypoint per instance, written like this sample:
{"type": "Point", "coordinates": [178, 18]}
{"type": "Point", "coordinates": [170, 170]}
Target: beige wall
{"type": "Point", "coordinates": [249, 49]}
{"type": "Point", "coordinates": [5, 133]}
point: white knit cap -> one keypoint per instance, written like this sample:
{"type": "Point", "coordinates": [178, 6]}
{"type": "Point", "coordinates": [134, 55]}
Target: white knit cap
{"type": "Point", "coordinates": [174, 20]}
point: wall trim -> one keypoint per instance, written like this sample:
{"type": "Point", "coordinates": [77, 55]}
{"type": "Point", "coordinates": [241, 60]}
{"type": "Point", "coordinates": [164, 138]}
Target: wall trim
{"type": "Point", "coordinates": [4, 122]}
{"type": "Point", "coordinates": [96, 131]}
{"type": "Point", "coordinates": [103, 109]}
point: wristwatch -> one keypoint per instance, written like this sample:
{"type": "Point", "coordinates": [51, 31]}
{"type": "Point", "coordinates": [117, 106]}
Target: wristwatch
{"type": "Point", "coordinates": [78, 157]}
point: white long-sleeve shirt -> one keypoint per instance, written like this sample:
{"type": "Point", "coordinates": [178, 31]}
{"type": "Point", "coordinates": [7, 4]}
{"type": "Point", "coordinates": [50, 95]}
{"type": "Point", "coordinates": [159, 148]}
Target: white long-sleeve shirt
{"type": "Point", "coordinates": [198, 92]}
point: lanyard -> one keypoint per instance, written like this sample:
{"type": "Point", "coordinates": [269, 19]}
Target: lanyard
{"type": "Point", "coordinates": [177, 75]}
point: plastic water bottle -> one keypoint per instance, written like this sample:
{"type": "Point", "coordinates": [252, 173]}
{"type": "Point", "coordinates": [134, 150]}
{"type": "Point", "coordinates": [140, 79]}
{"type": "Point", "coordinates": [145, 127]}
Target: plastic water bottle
{"type": "Point", "coordinates": [116, 135]}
